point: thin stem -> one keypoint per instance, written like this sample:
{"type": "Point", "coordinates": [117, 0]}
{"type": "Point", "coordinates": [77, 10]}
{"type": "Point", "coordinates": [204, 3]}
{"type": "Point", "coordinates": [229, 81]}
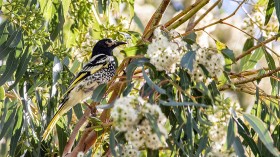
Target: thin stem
{"type": "Point", "coordinates": [250, 36]}
{"type": "Point", "coordinates": [252, 79]}
{"type": "Point", "coordinates": [189, 15]}
{"type": "Point", "coordinates": [203, 15]}
{"type": "Point", "coordinates": [155, 19]}
{"type": "Point", "coordinates": [214, 23]}
{"type": "Point", "coordinates": [182, 13]}
{"type": "Point", "coordinates": [255, 47]}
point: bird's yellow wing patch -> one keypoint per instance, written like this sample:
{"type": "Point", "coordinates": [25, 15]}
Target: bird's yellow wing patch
{"type": "Point", "coordinates": [95, 69]}
{"type": "Point", "coordinates": [80, 77]}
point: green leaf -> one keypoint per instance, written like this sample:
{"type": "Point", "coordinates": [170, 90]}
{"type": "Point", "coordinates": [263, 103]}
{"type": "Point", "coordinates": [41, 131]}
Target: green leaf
{"type": "Point", "coordinates": [11, 66]}
{"type": "Point", "coordinates": [201, 145]}
{"type": "Point", "coordinates": [133, 65]}
{"type": "Point", "coordinates": [5, 50]}
{"type": "Point", "coordinates": [248, 44]}
{"type": "Point", "coordinates": [2, 93]}
{"type": "Point", "coordinates": [8, 124]}
{"type": "Point", "coordinates": [253, 59]}
{"type": "Point", "coordinates": [22, 67]}
{"type": "Point", "coordinates": [99, 92]}
{"type": "Point", "coordinates": [2, 28]}
{"type": "Point", "coordinates": [173, 103]}
{"type": "Point", "coordinates": [269, 11]}
{"type": "Point", "coordinates": [271, 65]}
{"type": "Point", "coordinates": [264, 134]}
{"type": "Point", "coordinates": [238, 147]}
{"type": "Point", "coordinates": [135, 50]}
{"type": "Point", "coordinates": [228, 54]}
{"type": "Point", "coordinates": [248, 140]}
{"type": "Point", "coordinates": [16, 130]}
{"type": "Point", "coordinates": [62, 138]}
{"type": "Point", "coordinates": [277, 8]}
{"type": "Point", "coordinates": [151, 83]}
{"type": "Point", "coordinates": [66, 6]}
{"type": "Point", "coordinates": [14, 39]}
{"type": "Point", "coordinates": [230, 133]}
{"type": "Point", "coordinates": [188, 60]}
{"type": "Point", "coordinates": [78, 110]}
{"type": "Point", "coordinates": [112, 142]}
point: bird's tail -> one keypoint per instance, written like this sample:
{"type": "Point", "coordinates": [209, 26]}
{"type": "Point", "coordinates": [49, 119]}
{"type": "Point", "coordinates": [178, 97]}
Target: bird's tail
{"type": "Point", "coordinates": [63, 109]}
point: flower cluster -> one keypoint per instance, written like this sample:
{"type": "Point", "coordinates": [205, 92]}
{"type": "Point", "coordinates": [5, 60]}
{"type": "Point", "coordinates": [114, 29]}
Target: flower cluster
{"type": "Point", "coordinates": [142, 122]}
{"type": "Point", "coordinates": [126, 151]}
{"type": "Point", "coordinates": [219, 115]}
{"type": "Point", "coordinates": [164, 52]}
{"type": "Point", "coordinates": [211, 60]}
{"type": "Point", "coordinates": [254, 23]}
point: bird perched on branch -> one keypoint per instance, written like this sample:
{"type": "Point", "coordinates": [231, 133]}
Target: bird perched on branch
{"type": "Point", "coordinates": [100, 69]}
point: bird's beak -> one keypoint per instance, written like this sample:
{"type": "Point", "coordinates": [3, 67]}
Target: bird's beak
{"type": "Point", "coordinates": [120, 43]}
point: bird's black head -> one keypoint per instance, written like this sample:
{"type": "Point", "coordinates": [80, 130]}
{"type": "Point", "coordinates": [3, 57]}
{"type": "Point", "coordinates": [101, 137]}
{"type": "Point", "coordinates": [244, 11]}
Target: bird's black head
{"type": "Point", "coordinates": [105, 46]}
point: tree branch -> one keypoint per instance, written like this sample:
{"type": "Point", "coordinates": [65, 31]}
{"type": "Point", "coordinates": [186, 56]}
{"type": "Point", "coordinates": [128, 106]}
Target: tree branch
{"type": "Point", "coordinates": [252, 79]}
{"type": "Point", "coordinates": [155, 19]}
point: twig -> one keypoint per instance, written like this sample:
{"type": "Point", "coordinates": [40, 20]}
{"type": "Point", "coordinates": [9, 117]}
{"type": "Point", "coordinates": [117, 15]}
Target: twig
{"type": "Point", "coordinates": [155, 19]}
{"type": "Point", "coordinates": [188, 15]}
{"type": "Point", "coordinates": [251, 79]}
{"type": "Point", "coordinates": [214, 23]}
{"type": "Point", "coordinates": [250, 36]}
{"type": "Point", "coordinates": [182, 13]}
{"type": "Point", "coordinates": [254, 93]}
{"type": "Point", "coordinates": [72, 137]}
{"type": "Point", "coordinates": [203, 15]}
{"type": "Point", "coordinates": [255, 47]}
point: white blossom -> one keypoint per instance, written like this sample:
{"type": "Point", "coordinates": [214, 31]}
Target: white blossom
{"type": "Point", "coordinates": [164, 54]}
{"type": "Point", "coordinates": [131, 115]}
{"type": "Point", "coordinates": [213, 62]}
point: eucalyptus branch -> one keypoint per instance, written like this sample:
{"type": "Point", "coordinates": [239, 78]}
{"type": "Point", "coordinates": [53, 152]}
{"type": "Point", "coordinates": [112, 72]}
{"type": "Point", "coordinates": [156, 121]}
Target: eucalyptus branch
{"type": "Point", "coordinates": [73, 135]}
{"type": "Point", "coordinates": [188, 15]}
{"type": "Point", "coordinates": [254, 93]}
{"type": "Point", "coordinates": [252, 79]}
{"type": "Point", "coordinates": [250, 36]}
{"type": "Point", "coordinates": [217, 22]}
{"type": "Point", "coordinates": [182, 13]}
{"type": "Point", "coordinates": [203, 15]}
{"type": "Point", "coordinates": [246, 73]}
{"type": "Point", "coordinates": [255, 47]}
{"type": "Point", "coordinates": [155, 19]}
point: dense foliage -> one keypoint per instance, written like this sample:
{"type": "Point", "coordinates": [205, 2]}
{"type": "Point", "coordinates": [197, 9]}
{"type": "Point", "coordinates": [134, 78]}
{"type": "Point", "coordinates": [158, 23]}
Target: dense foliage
{"type": "Point", "coordinates": [171, 95]}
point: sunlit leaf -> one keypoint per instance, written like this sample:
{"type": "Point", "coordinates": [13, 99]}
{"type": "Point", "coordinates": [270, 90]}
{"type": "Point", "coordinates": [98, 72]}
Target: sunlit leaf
{"type": "Point", "coordinates": [263, 133]}
{"type": "Point", "coordinates": [269, 11]}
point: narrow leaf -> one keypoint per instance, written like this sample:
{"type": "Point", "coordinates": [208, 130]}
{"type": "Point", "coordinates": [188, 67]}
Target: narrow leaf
{"type": "Point", "coordinates": [173, 103]}
{"type": "Point", "coordinates": [230, 133]}
{"type": "Point", "coordinates": [10, 68]}
{"type": "Point", "coordinates": [188, 60]}
{"type": "Point", "coordinates": [99, 92]}
{"type": "Point", "coordinates": [151, 83]}
{"type": "Point", "coordinates": [269, 11]}
{"type": "Point", "coordinates": [262, 131]}
{"type": "Point", "coordinates": [253, 59]}
{"type": "Point", "coordinates": [277, 8]}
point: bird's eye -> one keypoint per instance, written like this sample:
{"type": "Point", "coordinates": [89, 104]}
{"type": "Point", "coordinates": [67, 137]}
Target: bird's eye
{"type": "Point", "coordinates": [110, 43]}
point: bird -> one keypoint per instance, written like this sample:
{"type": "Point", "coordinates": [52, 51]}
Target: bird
{"type": "Point", "coordinates": [99, 70]}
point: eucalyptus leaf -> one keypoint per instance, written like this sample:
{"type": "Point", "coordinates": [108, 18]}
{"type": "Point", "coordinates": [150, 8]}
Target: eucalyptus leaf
{"type": "Point", "coordinates": [99, 92]}
{"type": "Point", "coordinates": [188, 60]}
{"type": "Point", "coordinates": [263, 133]}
